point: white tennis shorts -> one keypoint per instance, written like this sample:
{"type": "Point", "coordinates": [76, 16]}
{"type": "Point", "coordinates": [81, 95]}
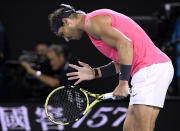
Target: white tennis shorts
{"type": "Point", "coordinates": [150, 84]}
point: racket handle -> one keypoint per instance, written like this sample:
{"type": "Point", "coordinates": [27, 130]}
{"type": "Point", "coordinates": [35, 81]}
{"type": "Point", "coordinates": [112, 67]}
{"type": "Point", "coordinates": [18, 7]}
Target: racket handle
{"type": "Point", "coordinates": [108, 96]}
{"type": "Point", "coordinates": [111, 96]}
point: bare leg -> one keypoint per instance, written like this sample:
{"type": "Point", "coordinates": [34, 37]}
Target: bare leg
{"type": "Point", "coordinates": [154, 117]}
{"type": "Point", "coordinates": [145, 117]}
{"type": "Point", "coordinates": [129, 122]}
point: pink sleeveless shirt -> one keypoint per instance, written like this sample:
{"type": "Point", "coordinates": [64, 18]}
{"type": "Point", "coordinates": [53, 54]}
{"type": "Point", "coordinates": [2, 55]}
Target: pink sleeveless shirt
{"type": "Point", "coordinates": [145, 53]}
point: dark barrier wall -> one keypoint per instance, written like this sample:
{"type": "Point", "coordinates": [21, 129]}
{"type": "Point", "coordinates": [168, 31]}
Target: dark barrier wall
{"type": "Point", "coordinates": [26, 22]}
{"type": "Point", "coordinates": [104, 116]}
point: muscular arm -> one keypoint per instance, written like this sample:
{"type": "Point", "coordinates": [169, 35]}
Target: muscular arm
{"type": "Point", "coordinates": [100, 28]}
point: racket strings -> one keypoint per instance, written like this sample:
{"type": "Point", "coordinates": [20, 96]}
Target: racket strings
{"type": "Point", "coordinates": [70, 101]}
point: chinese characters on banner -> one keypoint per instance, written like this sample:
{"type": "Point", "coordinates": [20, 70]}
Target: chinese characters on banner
{"type": "Point", "coordinates": [45, 123]}
{"type": "Point", "coordinates": [18, 118]}
{"type": "Point", "coordinates": [14, 118]}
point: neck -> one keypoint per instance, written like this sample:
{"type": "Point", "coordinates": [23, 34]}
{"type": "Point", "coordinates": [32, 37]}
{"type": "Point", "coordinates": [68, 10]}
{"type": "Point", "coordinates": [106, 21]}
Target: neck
{"type": "Point", "coordinates": [81, 21]}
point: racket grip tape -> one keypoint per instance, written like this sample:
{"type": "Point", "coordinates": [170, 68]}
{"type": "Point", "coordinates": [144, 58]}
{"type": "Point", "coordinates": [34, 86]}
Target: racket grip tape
{"type": "Point", "coordinates": [108, 96]}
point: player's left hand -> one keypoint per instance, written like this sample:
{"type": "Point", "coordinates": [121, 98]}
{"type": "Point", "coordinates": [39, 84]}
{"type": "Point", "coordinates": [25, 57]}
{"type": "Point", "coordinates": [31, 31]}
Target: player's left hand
{"type": "Point", "coordinates": [121, 91]}
{"type": "Point", "coordinates": [83, 73]}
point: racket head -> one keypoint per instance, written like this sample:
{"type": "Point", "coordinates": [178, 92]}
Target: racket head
{"type": "Point", "coordinates": [70, 104]}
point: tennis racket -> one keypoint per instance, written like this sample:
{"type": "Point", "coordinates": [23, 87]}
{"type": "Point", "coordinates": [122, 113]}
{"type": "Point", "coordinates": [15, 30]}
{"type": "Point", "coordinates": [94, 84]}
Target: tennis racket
{"type": "Point", "coordinates": [71, 103]}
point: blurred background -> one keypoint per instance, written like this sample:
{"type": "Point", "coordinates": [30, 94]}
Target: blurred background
{"type": "Point", "coordinates": [27, 45]}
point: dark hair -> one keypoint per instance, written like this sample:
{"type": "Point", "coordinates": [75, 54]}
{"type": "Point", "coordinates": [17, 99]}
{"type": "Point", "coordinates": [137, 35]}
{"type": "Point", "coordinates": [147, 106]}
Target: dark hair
{"type": "Point", "coordinates": [55, 18]}
{"type": "Point", "coordinates": [42, 43]}
{"type": "Point", "coordinates": [37, 43]}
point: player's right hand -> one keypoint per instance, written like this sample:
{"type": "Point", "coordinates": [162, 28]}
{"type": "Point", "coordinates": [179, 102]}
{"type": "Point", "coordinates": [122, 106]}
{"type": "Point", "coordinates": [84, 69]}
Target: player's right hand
{"type": "Point", "coordinates": [121, 91]}
{"type": "Point", "coordinates": [83, 73]}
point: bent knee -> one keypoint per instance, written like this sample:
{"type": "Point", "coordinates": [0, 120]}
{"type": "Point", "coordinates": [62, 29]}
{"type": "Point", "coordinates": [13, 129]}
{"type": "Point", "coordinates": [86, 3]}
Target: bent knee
{"type": "Point", "coordinates": [129, 121]}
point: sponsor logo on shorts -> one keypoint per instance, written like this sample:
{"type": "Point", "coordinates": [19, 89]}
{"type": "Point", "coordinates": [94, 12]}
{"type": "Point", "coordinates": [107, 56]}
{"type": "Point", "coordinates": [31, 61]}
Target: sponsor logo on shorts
{"type": "Point", "coordinates": [133, 95]}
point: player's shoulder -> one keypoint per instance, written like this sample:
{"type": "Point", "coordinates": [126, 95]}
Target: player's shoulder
{"type": "Point", "coordinates": [98, 20]}
{"type": "Point", "coordinates": [99, 15]}
{"type": "Point", "coordinates": [102, 11]}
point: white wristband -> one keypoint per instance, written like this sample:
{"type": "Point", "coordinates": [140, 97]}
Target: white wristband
{"type": "Point", "coordinates": [38, 73]}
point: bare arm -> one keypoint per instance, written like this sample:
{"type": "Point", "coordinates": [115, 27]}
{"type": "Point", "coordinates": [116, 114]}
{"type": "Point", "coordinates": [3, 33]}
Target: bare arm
{"type": "Point", "coordinates": [52, 82]}
{"type": "Point", "coordinates": [100, 28]}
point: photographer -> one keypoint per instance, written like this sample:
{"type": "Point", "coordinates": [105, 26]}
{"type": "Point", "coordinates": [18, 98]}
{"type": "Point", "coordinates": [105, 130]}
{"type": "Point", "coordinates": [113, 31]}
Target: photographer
{"type": "Point", "coordinates": [57, 56]}
{"type": "Point", "coordinates": [41, 49]}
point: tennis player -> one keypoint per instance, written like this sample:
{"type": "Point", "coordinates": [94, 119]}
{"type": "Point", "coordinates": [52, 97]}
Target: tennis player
{"type": "Point", "coordinates": [133, 54]}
